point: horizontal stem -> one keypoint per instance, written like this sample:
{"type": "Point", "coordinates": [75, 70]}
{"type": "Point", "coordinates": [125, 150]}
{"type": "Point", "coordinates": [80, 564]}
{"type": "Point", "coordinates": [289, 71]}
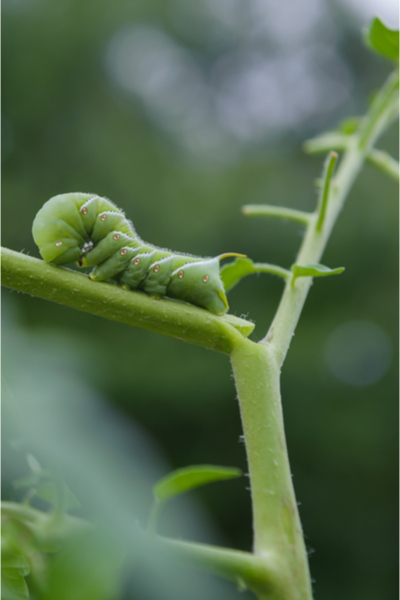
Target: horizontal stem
{"type": "Point", "coordinates": [272, 269]}
{"type": "Point", "coordinates": [332, 140]}
{"type": "Point", "coordinates": [45, 524]}
{"type": "Point", "coordinates": [246, 570]}
{"type": "Point", "coordinates": [174, 319]}
{"type": "Point", "coordinates": [385, 162]}
{"type": "Point", "coordinates": [276, 212]}
{"type": "Point", "coordinates": [22, 512]}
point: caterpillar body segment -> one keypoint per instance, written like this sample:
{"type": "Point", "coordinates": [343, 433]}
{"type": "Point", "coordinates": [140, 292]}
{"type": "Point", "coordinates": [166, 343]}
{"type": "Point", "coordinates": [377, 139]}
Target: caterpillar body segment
{"type": "Point", "coordinates": [93, 231]}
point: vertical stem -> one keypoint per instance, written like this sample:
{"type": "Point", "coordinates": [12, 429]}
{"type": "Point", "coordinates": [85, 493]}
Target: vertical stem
{"type": "Point", "coordinates": [278, 535]}
{"type": "Point", "coordinates": [379, 112]}
{"type": "Point", "coordinates": [314, 242]}
{"type": "Point", "coordinates": [277, 530]}
{"type": "Point", "coordinates": [329, 167]}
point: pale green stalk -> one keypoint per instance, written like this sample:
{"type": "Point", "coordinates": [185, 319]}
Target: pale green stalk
{"type": "Point", "coordinates": [278, 537]}
{"type": "Point", "coordinates": [385, 162]}
{"type": "Point", "coordinates": [329, 167]}
{"type": "Point", "coordinates": [272, 269]}
{"type": "Point", "coordinates": [243, 568]}
{"type": "Point", "coordinates": [276, 212]}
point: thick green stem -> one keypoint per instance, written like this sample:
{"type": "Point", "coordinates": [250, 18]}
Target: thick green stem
{"type": "Point", "coordinates": [174, 319]}
{"type": "Point", "coordinates": [243, 568]}
{"type": "Point", "coordinates": [277, 530]}
{"type": "Point", "coordinates": [278, 536]}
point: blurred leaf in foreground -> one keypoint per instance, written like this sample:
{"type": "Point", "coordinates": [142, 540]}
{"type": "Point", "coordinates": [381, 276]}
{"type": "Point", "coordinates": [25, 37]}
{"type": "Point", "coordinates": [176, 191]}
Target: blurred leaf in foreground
{"type": "Point", "coordinates": [14, 568]}
{"type": "Point", "coordinates": [383, 40]}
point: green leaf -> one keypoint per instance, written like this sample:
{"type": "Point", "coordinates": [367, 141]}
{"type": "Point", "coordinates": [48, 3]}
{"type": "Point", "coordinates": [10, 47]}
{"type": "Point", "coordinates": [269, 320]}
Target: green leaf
{"type": "Point", "coordinates": [15, 561]}
{"type": "Point", "coordinates": [233, 272]}
{"type": "Point", "coordinates": [189, 478]}
{"type": "Point", "coordinates": [13, 585]}
{"type": "Point", "coordinates": [183, 480]}
{"type": "Point", "coordinates": [349, 125]}
{"type": "Point", "coordinates": [14, 568]}
{"type": "Point", "coordinates": [314, 271]}
{"type": "Point", "coordinates": [383, 40]}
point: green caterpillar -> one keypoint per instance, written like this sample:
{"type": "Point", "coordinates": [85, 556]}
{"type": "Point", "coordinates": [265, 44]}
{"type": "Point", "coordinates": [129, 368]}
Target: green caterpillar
{"type": "Point", "coordinates": [93, 231]}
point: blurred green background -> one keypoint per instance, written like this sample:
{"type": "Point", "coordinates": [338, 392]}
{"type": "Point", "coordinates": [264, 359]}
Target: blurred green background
{"type": "Point", "coordinates": [181, 112]}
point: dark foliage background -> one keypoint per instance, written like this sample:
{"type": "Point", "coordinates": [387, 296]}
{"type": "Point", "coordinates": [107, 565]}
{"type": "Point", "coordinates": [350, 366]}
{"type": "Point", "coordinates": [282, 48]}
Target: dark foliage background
{"type": "Point", "coordinates": [181, 112]}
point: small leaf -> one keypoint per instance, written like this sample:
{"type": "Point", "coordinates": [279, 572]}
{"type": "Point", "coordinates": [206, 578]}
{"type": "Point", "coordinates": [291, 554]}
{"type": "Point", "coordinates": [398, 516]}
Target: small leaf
{"type": "Point", "coordinates": [183, 480]}
{"type": "Point", "coordinates": [189, 478]}
{"type": "Point", "coordinates": [383, 40]}
{"type": "Point", "coordinates": [233, 272]}
{"type": "Point", "coordinates": [349, 125]}
{"type": "Point", "coordinates": [14, 568]}
{"type": "Point", "coordinates": [314, 271]}
{"type": "Point", "coordinates": [16, 561]}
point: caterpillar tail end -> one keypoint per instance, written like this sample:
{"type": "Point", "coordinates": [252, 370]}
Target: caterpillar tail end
{"type": "Point", "coordinates": [217, 304]}
{"type": "Point", "coordinates": [228, 254]}
{"type": "Point", "coordinates": [224, 301]}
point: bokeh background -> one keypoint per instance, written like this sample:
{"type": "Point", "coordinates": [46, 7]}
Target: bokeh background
{"type": "Point", "coordinates": [181, 112]}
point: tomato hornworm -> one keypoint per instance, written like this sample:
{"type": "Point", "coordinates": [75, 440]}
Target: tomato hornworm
{"type": "Point", "coordinates": [93, 231]}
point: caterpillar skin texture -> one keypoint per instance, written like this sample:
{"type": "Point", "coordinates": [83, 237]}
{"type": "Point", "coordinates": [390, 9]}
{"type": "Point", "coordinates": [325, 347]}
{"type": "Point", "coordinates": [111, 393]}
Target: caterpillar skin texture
{"type": "Point", "coordinates": [93, 231]}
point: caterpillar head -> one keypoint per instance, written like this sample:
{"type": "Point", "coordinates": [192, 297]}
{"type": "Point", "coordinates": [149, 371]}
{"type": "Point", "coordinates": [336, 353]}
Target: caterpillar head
{"type": "Point", "coordinates": [58, 230]}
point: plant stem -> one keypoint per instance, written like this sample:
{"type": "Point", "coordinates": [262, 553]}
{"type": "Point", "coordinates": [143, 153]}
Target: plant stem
{"type": "Point", "coordinates": [289, 310]}
{"type": "Point", "coordinates": [174, 319]}
{"type": "Point", "coordinates": [272, 269]}
{"type": "Point", "coordinates": [329, 168]}
{"type": "Point", "coordinates": [278, 570]}
{"type": "Point", "coordinates": [276, 212]}
{"type": "Point", "coordinates": [381, 112]}
{"type": "Point", "coordinates": [385, 162]}
{"type": "Point", "coordinates": [278, 536]}
{"type": "Point", "coordinates": [331, 140]}
{"type": "Point", "coordinates": [277, 530]}
{"type": "Point", "coordinates": [243, 568]}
